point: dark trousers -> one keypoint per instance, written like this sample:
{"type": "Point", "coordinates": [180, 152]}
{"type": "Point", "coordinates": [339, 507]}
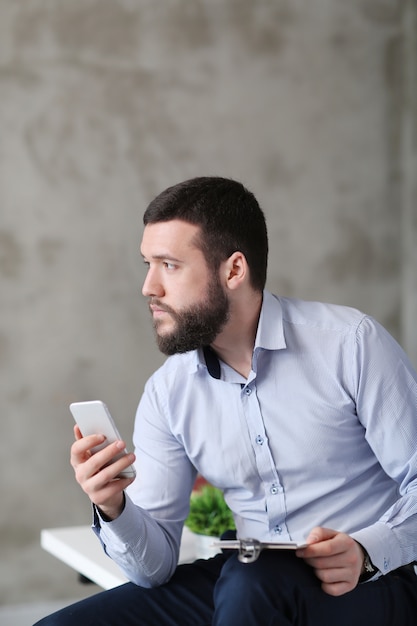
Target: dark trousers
{"type": "Point", "coordinates": [278, 589]}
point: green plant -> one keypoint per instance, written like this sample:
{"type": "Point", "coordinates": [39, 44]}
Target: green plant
{"type": "Point", "coordinates": [209, 513]}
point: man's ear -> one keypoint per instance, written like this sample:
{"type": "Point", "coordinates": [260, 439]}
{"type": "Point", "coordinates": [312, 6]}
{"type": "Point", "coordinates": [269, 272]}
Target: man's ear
{"type": "Point", "coordinates": [236, 270]}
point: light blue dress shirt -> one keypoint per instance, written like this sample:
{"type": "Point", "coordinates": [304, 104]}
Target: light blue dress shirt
{"type": "Point", "coordinates": [323, 432]}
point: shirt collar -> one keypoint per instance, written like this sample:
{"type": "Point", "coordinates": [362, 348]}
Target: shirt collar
{"type": "Point", "coordinates": [269, 335]}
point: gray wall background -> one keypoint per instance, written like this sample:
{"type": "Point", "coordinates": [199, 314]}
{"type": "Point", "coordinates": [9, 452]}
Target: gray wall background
{"type": "Point", "coordinates": [103, 103]}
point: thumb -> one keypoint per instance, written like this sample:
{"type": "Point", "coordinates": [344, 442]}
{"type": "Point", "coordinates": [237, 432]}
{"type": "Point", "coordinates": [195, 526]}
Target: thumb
{"type": "Point", "coordinates": [320, 534]}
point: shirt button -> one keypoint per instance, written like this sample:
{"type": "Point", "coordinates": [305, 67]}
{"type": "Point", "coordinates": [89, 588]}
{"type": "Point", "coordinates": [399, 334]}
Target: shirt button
{"type": "Point", "coordinates": [248, 391]}
{"type": "Point", "coordinates": [259, 440]}
{"type": "Point", "coordinates": [278, 529]}
{"type": "Point", "coordinates": [274, 490]}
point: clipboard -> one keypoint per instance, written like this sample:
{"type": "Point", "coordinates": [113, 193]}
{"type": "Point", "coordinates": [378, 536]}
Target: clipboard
{"type": "Point", "coordinates": [250, 549]}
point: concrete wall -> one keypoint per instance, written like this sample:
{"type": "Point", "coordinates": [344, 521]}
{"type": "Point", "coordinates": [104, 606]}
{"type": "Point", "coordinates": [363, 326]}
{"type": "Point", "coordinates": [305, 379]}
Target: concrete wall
{"type": "Point", "coordinates": [408, 181]}
{"type": "Point", "coordinates": [103, 103]}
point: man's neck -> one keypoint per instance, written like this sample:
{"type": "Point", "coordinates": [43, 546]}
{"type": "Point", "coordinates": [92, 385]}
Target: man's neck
{"type": "Point", "coordinates": [234, 345]}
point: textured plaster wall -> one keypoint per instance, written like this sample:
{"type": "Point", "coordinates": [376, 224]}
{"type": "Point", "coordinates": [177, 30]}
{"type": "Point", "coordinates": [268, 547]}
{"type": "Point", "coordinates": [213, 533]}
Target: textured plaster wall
{"type": "Point", "coordinates": [409, 181]}
{"type": "Point", "coordinates": [103, 103]}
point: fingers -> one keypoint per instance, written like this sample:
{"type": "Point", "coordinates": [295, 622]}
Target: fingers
{"type": "Point", "coordinates": [98, 473]}
{"type": "Point", "coordinates": [103, 487]}
{"type": "Point", "coordinates": [336, 559]}
{"type": "Point", "coordinates": [338, 588]}
{"type": "Point", "coordinates": [323, 543]}
{"type": "Point", "coordinates": [338, 577]}
{"type": "Point", "coordinates": [320, 534]}
{"type": "Point", "coordinates": [81, 449]}
{"type": "Point", "coordinates": [87, 465]}
{"type": "Point", "coordinates": [77, 432]}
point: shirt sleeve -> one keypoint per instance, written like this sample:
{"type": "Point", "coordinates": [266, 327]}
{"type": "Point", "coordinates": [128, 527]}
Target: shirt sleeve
{"type": "Point", "coordinates": [386, 386]}
{"type": "Point", "coordinates": [143, 550]}
{"type": "Point", "coordinates": [145, 539]}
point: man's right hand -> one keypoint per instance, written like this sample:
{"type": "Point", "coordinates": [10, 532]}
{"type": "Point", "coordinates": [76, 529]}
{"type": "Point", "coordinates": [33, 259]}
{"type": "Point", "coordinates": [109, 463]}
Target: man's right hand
{"type": "Point", "coordinates": [101, 483]}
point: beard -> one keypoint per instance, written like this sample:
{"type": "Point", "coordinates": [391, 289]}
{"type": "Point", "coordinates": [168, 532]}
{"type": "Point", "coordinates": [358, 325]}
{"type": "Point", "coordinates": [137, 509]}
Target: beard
{"type": "Point", "coordinates": [196, 326]}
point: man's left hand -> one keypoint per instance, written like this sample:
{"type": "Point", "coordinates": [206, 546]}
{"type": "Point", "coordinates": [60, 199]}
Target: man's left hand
{"type": "Point", "coordinates": [336, 558]}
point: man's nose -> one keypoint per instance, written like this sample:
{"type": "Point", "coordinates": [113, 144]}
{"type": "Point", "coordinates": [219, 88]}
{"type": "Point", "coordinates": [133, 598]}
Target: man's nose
{"type": "Point", "coordinates": [152, 286]}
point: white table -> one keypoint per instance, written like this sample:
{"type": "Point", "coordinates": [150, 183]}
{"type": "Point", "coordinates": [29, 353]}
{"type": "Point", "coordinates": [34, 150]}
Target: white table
{"type": "Point", "coordinates": [78, 547]}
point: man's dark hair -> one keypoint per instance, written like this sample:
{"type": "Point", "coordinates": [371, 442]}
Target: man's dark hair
{"type": "Point", "coordinates": [228, 215]}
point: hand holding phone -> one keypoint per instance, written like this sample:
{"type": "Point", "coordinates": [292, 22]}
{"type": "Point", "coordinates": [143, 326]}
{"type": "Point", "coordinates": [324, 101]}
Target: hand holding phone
{"type": "Point", "coordinates": [93, 418]}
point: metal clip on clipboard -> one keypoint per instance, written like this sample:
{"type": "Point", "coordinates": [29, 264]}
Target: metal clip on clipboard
{"type": "Point", "coordinates": [249, 550]}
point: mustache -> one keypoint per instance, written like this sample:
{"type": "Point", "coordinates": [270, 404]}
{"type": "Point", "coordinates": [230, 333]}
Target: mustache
{"type": "Point", "coordinates": [163, 307]}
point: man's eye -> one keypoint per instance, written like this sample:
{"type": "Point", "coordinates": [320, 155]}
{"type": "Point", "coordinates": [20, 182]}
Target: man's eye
{"type": "Point", "coordinates": [169, 266]}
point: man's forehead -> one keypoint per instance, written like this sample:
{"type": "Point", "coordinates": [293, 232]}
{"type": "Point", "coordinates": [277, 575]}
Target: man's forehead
{"type": "Point", "coordinates": [170, 236]}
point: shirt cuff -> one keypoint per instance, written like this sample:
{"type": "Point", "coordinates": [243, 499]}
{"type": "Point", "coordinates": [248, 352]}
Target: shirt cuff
{"type": "Point", "coordinates": [118, 532]}
{"type": "Point", "coordinates": [382, 546]}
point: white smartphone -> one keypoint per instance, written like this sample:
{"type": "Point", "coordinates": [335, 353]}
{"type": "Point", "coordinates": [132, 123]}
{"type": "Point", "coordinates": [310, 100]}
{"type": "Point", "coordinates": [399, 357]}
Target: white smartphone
{"type": "Point", "coordinates": [93, 418]}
